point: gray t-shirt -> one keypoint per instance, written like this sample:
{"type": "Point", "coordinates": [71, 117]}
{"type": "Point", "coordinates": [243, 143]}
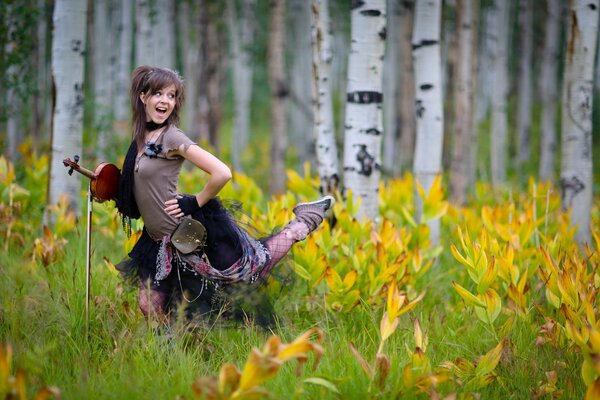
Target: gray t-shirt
{"type": "Point", "coordinates": [155, 181]}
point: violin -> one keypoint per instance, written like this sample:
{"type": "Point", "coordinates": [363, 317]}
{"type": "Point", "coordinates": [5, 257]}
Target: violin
{"type": "Point", "coordinates": [104, 183]}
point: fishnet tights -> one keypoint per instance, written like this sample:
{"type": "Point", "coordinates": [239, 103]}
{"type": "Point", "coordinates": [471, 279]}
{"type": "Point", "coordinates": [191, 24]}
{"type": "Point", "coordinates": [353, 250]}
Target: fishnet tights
{"type": "Point", "coordinates": [152, 303]}
{"type": "Point", "coordinates": [281, 243]}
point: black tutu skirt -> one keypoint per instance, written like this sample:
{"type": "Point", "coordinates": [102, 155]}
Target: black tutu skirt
{"type": "Point", "coordinates": [204, 297]}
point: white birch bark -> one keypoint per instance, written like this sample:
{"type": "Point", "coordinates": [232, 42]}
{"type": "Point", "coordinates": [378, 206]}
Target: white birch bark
{"type": "Point", "coordinates": [391, 76]}
{"type": "Point", "coordinates": [188, 19]}
{"type": "Point", "coordinates": [525, 84]}
{"type": "Point", "coordinates": [102, 46]}
{"type": "Point", "coordinates": [326, 147]}
{"type": "Point", "coordinates": [362, 142]}
{"type": "Point", "coordinates": [428, 94]}
{"type": "Point", "coordinates": [300, 110]}
{"type": "Point", "coordinates": [576, 180]}
{"type": "Point", "coordinates": [123, 74]}
{"type": "Point", "coordinates": [155, 33]}
{"type": "Point", "coordinates": [485, 63]}
{"type": "Point", "coordinates": [278, 85]}
{"type": "Point", "coordinates": [500, 13]}
{"type": "Point", "coordinates": [406, 143]}
{"type": "Point", "coordinates": [549, 90]}
{"type": "Point", "coordinates": [241, 29]}
{"type": "Point", "coordinates": [464, 145]}
{"type": "Point", "coordinates": [68, 49]}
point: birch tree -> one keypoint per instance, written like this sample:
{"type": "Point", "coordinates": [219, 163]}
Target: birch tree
{"type": "Point", "coordinates": [362, 142]}
{"type": "Point", "coordinates": [576, 180]}
{"type": "Point", "coordinates": [155, 33]}
{"type": "Point", "coordinates": [279, 92]}
{"type": "Point", "coordinates": [392, 74]}
{"type": "Point", "coordinates": [326, 147]}
{"type": "Point", "coordinates": [428, 95]}
{"type": "Point", "coordinates": [68, 49]}
{"type": "Point", "coordinates": [406, 89]}
{"type": "Point", "coordinates": [500, 13]}
{"type": "Point", "coordinates": [103, 71]}
{"type": "Point", "coordinates": [465, 138]}
{"type": "Point", "coordinates": [300, 111]}
{"type": "Point", "coordinates": [124, 43]}
{"type": "Point", "coordinates": [525, 83]}
{"type": "Point", "coordinates": [241, 29]}
{"type": "Point", "coordinates": [549, 89]}
{"type": "Point", "coordinates": [188, 18]}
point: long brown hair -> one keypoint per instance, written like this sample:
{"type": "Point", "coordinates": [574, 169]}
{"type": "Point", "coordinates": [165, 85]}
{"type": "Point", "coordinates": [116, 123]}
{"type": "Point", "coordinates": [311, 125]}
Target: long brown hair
{"type": "Point", "coordinates": [146, 79]}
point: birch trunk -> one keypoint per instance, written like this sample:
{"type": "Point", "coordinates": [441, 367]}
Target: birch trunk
{"type": "Point", "coordinates": [429, 110]}
{"type": "Point", "coordinates": [300, 110]}
{"type": "Point", "coordinates": [549, 90]}
{"type": "Point", "coordinates": [123, 73]}
{"type": "Point", "coordinates": [279, 93]}
{"type": "Point", "coordinates": [101, 46]}
{"type": "Point", "coordinates": [576, 181]}
{"type": "Point", "coordinates": [362, 143]}
{"type": "Point", "coordinates": [41, 106]}
{"type": "Point", "coordinates": [485, 64]}
{"type": "Point", "coordinates": [464, 145]}
{"type": "Point", "coordinates": [187, 18]}
{"type": "Point", "coordinates": [211, 78]}
{"type": "Point", "coordinates": [406, 145]}
{"type": "Point", "coordinates": [391, 76]}
{"type": "Point", "coordinates": [155, 33]}
{"type": "Point", "coordinates": [500, 14]}
{"type": "Point", "coordinates": [242, 35]}
{"type": "Point", "coordinates": [525, 83]}
{"type": "Point", "coordinates": [68, 49]}
{"type": "Point", "coordinates": [326, 148]}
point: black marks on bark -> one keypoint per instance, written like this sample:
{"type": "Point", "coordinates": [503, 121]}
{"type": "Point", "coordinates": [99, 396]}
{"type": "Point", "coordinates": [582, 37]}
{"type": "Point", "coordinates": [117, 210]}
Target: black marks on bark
{"type": "Point", "coordinates": [78, 88]}
{"type": "Point", "coordinates": [419, 108]}
{"type": "Point", "coordinates": [357, 4]}
{"type": "Point", "coordinates": [371, 13]}
{"type": "Point", "coordinates": [423, 43]}
{"type": "Point", "coordinates": [383, 33]}
{"type": "Point", "coordinates": [373, 131]}
{"type": "Point", "coordinates": [569, 187]}
{"type": "Point", "coordinates": [365, 97]}
{"type": "Point", "coordinates": [426, 86]}
{"type": "Point", "coordinates": [366, 161]}
{"type": "Point", "coordinates": [592, 6]}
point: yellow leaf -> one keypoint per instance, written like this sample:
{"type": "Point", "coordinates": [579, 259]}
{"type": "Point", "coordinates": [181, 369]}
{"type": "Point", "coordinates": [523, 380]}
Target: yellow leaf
{"type": "Point", "coordinates": [387, 327]}
{"type": "Point", "coordinates": [489, 361]}
{"type": "Point", "coordinates": [229, 378]}
{"type": "Point", "coordinates": [467, 296]}
{"type": "Point", "coordinates": [257, 370]}
{"type": "Point", "coordinates": [350, 279]}
{"type": "Point", "coordinates": [593, 391]}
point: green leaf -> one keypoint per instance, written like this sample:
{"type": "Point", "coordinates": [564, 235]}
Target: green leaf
{"type": "Point", "coordinates": [322, 382]}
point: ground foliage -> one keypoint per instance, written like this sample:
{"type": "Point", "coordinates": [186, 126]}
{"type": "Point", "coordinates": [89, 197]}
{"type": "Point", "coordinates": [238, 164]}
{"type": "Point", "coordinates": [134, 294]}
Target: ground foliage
{"type": "Point", "coordinates": [505, 306]}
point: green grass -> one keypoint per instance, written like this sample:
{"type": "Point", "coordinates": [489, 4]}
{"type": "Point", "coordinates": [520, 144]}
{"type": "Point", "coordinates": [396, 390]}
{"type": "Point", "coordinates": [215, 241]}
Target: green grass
{"type": "Point", "coordinates": [119, 356]}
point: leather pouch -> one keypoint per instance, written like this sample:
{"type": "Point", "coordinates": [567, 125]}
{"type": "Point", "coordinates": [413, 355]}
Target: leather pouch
{"type": "Point", "coordinates": [189, 236]}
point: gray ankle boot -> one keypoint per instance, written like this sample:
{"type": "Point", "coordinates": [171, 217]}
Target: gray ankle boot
{"type": "Point", "coordinates": [311, 214]}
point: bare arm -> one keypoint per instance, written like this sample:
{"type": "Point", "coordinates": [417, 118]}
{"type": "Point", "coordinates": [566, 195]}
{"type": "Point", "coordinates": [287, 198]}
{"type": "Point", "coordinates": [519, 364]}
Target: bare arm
{"type": "Point", "coordinates": [219, 173]}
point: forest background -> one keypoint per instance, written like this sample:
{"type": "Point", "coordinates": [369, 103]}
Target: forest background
{"type": "Point", "coordinates": [504, 287]}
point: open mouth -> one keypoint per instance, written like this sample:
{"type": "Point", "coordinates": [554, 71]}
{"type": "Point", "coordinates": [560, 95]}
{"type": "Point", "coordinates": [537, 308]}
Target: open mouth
{"type": "Point", "coordinates": [162, 111]}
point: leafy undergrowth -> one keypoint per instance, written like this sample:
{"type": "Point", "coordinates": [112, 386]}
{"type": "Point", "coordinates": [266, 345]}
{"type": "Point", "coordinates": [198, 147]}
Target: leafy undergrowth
{"type": "Point", "coordinates": [503, 307]}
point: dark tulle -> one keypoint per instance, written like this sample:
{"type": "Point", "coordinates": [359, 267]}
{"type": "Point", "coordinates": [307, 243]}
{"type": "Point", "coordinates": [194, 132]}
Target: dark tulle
{"type": "Point", "coordinates": [223, 248]}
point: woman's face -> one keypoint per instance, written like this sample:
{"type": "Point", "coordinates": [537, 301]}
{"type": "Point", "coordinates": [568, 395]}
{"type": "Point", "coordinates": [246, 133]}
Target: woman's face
{"type": "Point", "coordinates": [160, 104]}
